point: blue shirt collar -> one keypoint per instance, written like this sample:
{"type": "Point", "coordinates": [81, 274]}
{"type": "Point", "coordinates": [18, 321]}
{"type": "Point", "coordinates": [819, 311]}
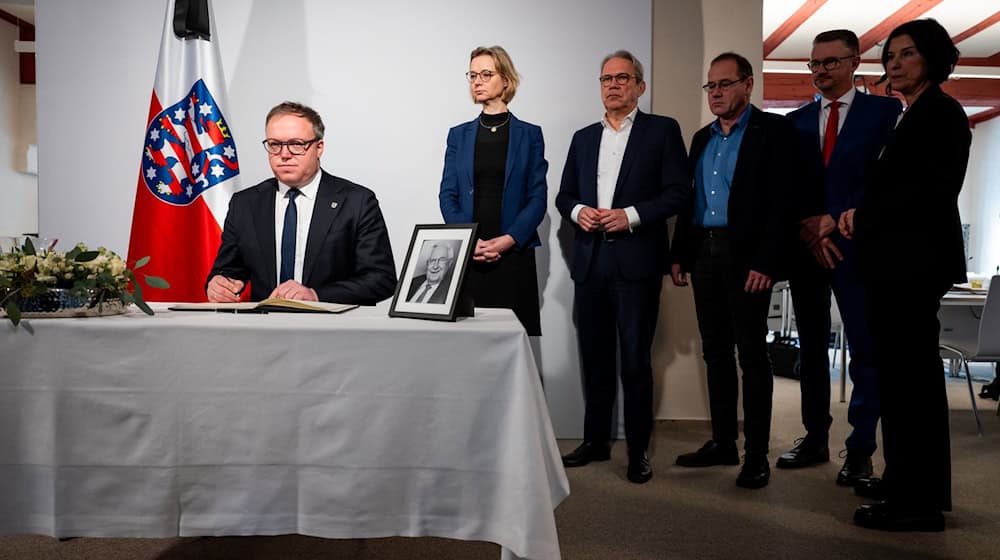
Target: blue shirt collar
{"type": "Point", "coordinates": [740, 122]}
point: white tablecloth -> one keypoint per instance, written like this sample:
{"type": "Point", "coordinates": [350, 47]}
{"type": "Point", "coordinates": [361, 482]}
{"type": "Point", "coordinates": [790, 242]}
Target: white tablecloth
{"type": "Point", "coordinates": [338, 426]}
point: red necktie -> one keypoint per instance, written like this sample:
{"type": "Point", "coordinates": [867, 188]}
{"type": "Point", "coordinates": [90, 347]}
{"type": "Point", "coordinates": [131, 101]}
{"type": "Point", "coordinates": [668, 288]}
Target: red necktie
{"type": "Point", "coordinates": [830, 136]}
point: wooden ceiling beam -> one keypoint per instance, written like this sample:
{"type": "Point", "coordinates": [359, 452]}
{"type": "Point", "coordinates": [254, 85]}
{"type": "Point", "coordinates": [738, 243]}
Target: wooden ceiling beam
{"type": "Point", "coordinates": [984, 116]}
{"type": "Point", "coordinates": [911, 10]}
{"type": "Point", "coordinates": [787, 27]}
{"type": "Point", "coordinates": [988, 22]}
{"type": "Point", "coordinates": [25, 32]}
{"type": "Point", "coordinates": [797, 89]}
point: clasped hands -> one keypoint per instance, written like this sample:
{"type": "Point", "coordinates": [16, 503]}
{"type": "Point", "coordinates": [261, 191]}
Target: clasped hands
{"type": "Point", "coordinates": [815, 233]}
{"type": "Point", "coordinates": [490, 250]}
{"type": "Point", "coordinates": [227, 290]}
{"type": "Point", "coordinates": [602, 219]}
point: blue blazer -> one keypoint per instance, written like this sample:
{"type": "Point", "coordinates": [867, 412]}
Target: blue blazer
{"type": "Point", "coordinates": [524, 192]}
{"type": "Point", "coordinates": [868, 124]}
{"type": "Point", "coordinates": [653, 178]}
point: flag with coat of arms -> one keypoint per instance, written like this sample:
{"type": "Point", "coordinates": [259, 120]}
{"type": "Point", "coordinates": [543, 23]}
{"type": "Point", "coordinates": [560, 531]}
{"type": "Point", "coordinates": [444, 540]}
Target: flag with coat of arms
{"type": "Point", "coordinates": [189, 166]}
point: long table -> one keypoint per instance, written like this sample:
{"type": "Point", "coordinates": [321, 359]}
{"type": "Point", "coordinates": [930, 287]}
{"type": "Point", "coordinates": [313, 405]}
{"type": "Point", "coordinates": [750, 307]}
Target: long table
{"type": "Point", "coordinates": [337, 426]}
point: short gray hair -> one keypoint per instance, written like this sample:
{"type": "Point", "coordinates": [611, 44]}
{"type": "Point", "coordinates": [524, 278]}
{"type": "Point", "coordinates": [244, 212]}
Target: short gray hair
{"type": "Point", "coordinates": [629, 57]}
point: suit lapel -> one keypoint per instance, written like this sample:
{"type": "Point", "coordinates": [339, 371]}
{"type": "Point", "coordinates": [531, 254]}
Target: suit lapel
{"type": "Point", "coordinates": [749, 144]}
{"type": "Point", "coordinates": [634, 139]}
{"type": "Point", "coordinates": [324, 213]}
{"type": "Point", "coordinates": [857, 118]}
{"type": "Point", "coordinates": [469, 149]}
{"type": "Point", "coordinates": [590, 150]}
{"type": "Point", "coordinates": [516, 135]}
{"type": "Point", "coordinates": [263, 223]}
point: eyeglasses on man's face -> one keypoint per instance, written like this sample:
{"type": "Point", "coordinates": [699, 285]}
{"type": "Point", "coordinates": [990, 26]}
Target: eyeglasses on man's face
{"type": "Point", "coordinates": [485, 75]}
{"type": "Point", "coordinates": [828, 64]}
{"type": "Point", "coordinates": [620, 79]}
{"type": "Point", "coordinates": [295, 147]}
{"type": "Point", "coordinates": [721, 85]}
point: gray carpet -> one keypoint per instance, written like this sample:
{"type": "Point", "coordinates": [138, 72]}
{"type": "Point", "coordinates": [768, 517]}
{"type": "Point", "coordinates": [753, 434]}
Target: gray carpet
{"type": "Point", "coordinates": [681, 513]}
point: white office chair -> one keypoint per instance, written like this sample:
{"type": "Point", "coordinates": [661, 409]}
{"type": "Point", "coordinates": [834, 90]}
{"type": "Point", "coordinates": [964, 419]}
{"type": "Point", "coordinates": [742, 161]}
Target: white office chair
{"type": "Point", "coordinates": [987, 343]}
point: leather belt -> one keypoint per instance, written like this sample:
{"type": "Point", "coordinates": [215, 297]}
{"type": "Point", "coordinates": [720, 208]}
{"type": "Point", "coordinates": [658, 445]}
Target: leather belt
{"type": "Point", "coordinates": [713, 232]}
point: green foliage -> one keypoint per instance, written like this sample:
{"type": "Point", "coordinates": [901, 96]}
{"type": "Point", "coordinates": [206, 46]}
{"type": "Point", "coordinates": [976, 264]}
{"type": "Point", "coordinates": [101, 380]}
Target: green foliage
{"type": "Point", "coordinates": [91, 276]}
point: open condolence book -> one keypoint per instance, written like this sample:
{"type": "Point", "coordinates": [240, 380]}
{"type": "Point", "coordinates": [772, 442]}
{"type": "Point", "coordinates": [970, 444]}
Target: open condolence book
{"type": "Point", "coordinates": [268, 305]}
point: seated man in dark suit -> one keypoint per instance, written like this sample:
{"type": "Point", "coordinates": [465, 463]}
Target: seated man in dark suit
{"type": "Point", "coordinates": [303, 234]}
{"type": "Point", "coordinates": [432, 286]}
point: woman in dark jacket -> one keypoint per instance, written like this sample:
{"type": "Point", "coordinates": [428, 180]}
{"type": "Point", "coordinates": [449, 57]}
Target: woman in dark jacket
{"type": "Point", "coordinates": [909, 237]}
{"type": "Point", "coordinates": [494, 174]}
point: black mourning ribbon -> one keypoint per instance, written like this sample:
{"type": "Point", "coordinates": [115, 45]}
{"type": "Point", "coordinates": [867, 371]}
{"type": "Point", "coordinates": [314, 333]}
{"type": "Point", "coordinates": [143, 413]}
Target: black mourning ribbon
{"type": "Point", "coordinates": [191, 19]}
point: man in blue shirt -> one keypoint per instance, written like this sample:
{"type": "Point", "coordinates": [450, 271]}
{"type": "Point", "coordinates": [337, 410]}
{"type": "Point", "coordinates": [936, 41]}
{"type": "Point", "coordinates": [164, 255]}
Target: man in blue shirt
{"type": "Point", "coordinates": [733, 240]}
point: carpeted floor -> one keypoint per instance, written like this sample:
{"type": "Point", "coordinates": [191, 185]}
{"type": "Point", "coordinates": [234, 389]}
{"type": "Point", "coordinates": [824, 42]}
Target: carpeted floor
{"type": "Point", "coordinates": [681, 513]}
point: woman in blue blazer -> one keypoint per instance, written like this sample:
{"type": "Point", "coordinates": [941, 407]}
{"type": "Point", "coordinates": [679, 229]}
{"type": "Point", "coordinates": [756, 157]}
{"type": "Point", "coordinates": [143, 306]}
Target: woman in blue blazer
{"type": "Point", "coordinates": [494, 174]}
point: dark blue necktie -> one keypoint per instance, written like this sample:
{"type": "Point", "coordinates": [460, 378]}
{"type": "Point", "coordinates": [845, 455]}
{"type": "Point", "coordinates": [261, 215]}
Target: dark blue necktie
{"type": "Point", "coordinates": [288, 237]}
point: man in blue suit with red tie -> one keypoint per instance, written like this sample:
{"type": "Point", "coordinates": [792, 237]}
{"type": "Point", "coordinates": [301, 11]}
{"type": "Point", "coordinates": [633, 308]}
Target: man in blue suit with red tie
{"type": "Point", "coordinates": [842, 134]}
{"type": "Point", "coordinates": [624, 176]}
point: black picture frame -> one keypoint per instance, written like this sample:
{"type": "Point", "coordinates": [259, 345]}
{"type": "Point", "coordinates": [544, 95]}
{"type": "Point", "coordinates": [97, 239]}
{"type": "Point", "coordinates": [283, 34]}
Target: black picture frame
{"type": "Point", "coordinates": [430, 284]}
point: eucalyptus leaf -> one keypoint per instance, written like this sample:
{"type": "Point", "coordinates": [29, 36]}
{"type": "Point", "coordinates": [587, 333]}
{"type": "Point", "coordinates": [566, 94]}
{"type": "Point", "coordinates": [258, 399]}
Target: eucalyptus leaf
{"type": "Point", "coordinates": [156, 282]}
{"type": "Point", "coordinates": [141, 263]}
{"type": "Point", "coordinates": [144, 307]}
{"type": "Point", "coordinates": [13, 312]}
{"type": "Point", "coordinates": [86, 256]}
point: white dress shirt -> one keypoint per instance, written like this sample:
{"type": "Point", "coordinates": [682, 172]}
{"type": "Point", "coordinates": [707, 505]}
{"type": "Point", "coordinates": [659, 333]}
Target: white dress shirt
{"type": "Point", "coordinates": [846, 102]}
{"type": "Point", "coordinates": [609, 165]}
{"type": "Point", "coordinates": [304, 204]}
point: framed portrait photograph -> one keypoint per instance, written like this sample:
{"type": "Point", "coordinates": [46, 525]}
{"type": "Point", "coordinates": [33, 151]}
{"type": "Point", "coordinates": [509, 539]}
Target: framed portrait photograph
{"type": "Point", "coordinates": [430, 285]}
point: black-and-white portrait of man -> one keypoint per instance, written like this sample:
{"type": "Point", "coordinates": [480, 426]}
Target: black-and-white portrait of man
{"type": "Point", "coordinates": [431, 284]}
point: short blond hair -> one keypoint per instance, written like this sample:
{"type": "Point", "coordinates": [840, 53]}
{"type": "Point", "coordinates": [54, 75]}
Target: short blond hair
{"type": "Point", "coordinates": [505, 67]}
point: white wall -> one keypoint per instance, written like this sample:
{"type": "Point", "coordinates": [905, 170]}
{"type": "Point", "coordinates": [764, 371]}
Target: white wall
{"type": "Point", "coordinates": [386, 76]}
{"type": "Point", "coordinates": [18, 190]}
{"type": "Point", "coordinates": [979, 202]}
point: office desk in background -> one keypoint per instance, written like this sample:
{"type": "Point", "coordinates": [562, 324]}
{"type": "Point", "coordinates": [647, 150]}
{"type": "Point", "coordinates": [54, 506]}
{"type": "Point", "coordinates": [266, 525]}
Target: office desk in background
{"type": "Point", "coordinates": [337, 426]}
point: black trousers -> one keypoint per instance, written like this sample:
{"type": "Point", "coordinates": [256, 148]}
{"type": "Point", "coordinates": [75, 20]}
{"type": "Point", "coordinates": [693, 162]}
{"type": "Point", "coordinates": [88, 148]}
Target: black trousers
{"type": "Point", "coordinates": [616, 316]}
{"type": "Point", "coordinates": [915, 434]}
{"type": "Point", "coordinates": [729, 319]}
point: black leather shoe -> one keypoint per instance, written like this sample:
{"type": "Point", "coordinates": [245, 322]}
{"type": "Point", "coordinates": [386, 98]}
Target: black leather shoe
{"type": "Point", "coordinates": [711, 454]}
{"type": "Point", "coordinates": [756, 472]}
{"type": "Point", "coordinates": [804, 454]}
{"type": "Point", "coordinates": [587, 451]}
{"type": "Point", "coordinates": [872, 488]}
{"type": "Point", "coordinates": [639, 469]}
{"type": "Point", "coordinates": [856, 467]}
{"type": "Point", "coordinates": [883, 517]}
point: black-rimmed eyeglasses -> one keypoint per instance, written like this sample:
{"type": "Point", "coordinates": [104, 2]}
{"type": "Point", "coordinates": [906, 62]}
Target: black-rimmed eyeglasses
{"type": "Point", "coordinates": [722, 85]}
{"type": "Point", "coordinates": [828, 64]}
{"type": "Point", "coordinates": [295, 147]}
{"type": "Point", "coordinates": [620, 79]}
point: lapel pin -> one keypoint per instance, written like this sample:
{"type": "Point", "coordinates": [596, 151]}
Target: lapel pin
{"type": "Point", "coordinates": [333, 204]}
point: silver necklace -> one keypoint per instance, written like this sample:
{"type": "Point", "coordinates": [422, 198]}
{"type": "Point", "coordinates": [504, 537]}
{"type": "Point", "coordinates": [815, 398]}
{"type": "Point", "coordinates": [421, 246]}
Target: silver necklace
{"type": "Point", "coordinates": [494, 127]}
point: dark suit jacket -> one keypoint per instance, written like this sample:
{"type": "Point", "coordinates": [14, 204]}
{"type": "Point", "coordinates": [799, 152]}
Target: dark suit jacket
{"type": "Point", "coordinates": [842, 184]}
{"type": "Point", "coordinates": [908, 222]}
{"type": "Point", "coordinates": [439, 295]}
{"type": "Point", "coordinates": [524, 193]}
{"type": "Point", "coordinates": [758, 198]}
{"type": "Point", "coordinates": [653, 178]}
{"type": "Point", "coordinates": [348, 257]}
